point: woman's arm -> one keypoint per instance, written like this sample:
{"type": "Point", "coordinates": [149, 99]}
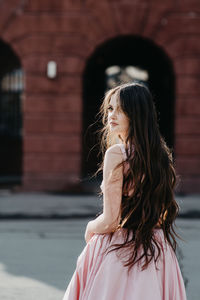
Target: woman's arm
{"type": "Point", "coordinates": [112, 194]}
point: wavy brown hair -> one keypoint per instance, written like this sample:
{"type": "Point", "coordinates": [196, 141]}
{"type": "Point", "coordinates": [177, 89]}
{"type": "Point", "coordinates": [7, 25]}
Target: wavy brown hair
{"type": "Point", "coordinates": [151, 173]}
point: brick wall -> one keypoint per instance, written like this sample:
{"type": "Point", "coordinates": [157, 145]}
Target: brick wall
{"type": "Point", "coordinates": [68, 32]}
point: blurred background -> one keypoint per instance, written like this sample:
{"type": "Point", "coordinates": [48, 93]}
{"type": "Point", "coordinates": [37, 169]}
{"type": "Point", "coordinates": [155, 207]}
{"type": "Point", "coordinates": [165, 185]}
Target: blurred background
{"type": "Point", "coordinates": [57, 60]}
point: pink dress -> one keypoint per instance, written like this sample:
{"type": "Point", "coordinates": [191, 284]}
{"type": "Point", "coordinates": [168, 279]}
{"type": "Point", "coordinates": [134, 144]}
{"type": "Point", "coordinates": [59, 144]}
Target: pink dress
{"type": "Point", "coordinates": [103, 277]}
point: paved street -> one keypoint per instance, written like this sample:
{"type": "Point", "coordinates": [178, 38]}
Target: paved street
{"type": "Point", "coordinates": [37, 258]}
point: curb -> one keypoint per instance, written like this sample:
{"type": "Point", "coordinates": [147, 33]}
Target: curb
{"type": "Point", "coordinates": [20, 216]}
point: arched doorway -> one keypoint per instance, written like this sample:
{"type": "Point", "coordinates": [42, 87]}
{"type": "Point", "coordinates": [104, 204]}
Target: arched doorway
{"type": "Point", "coordinates": [11, 88]}
{"type": "Point", "coordinates": [124, 51]}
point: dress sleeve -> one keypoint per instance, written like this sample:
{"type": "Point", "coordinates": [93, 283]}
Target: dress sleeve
{"type": "Point", "coordinates": [112, 187]}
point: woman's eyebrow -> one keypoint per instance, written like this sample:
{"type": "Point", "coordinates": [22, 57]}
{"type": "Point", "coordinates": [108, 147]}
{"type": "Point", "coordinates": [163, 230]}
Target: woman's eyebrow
{"type": "Point", "coordinates": [110, 104]}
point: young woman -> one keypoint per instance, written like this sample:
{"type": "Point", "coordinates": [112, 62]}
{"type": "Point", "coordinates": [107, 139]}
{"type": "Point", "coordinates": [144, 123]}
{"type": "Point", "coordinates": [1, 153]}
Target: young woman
{"type": "Point", "coordinates": [130, 250]}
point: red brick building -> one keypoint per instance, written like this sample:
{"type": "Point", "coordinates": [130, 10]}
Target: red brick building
{"type": "Point", "coordinates": [45, 140]}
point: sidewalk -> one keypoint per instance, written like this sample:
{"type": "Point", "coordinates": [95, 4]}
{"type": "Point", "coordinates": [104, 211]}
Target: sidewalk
{"type": "Point", "coordinates": [56, 206]}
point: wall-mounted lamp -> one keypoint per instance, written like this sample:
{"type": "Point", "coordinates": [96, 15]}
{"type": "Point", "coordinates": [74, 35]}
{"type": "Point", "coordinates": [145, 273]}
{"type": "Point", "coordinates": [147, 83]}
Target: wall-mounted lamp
{"type": "Point", "coordinates": [51, 69]}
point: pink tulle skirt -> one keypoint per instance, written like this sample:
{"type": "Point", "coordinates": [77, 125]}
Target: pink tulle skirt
{"type": "Point", "coordinates": [103, 277]}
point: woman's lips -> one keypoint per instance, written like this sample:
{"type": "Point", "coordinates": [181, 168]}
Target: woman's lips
{"type": "Point", "coordinates": [113, 123]}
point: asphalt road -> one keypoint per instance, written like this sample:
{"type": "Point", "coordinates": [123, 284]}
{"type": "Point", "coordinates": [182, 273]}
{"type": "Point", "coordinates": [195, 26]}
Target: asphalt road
{"type": "Point", "coordinates": [38, 258]}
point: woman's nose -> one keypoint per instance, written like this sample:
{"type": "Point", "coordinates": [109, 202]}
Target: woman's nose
{"type": "Point", "coordinates": [113, 114]}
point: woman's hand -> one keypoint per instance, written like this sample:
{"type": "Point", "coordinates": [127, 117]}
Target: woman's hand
{"type": "Point", "coordinates": [88, 233]}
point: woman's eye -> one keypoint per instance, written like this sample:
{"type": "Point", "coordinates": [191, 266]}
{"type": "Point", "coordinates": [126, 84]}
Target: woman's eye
{"type": "Point", "coordinates": [109, 108]}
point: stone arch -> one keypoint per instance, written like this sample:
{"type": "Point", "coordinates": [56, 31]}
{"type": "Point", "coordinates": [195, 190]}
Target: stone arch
{"type": "Point", "coordinates": [11, 88]}
{"type": "Point", "coordinates": [126, 50]}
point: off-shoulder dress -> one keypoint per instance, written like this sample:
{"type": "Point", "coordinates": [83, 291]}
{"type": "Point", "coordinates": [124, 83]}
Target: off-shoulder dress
{"type": "Point", "coordinates": [103, 277]}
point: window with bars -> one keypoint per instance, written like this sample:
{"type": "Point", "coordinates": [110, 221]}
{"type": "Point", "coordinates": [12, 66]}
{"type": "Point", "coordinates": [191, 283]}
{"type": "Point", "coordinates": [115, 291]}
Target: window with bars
{"type": "Point", "coordinates": [11, 88]}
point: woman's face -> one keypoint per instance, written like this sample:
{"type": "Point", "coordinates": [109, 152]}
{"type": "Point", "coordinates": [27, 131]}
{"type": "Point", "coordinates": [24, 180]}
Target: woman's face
{"type": "Point", "coordinates": [117, 120]}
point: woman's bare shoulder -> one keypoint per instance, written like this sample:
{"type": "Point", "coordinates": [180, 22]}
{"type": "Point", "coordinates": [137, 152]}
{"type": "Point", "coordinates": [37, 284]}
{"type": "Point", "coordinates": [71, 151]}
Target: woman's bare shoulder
{"type": "Point", "coordinates": [115, 152]}
{"type": "Point", "coordinates": [115, 149]}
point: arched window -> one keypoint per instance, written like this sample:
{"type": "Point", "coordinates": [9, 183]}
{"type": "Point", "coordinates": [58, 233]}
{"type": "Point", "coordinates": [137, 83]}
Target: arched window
{"type": "Point", "coordinates": [124, 59]}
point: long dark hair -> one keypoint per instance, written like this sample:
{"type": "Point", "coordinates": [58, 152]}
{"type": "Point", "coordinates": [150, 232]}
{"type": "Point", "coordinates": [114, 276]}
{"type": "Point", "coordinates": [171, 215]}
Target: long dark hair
{"type": "Point", "coordinates": [151, 173]}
